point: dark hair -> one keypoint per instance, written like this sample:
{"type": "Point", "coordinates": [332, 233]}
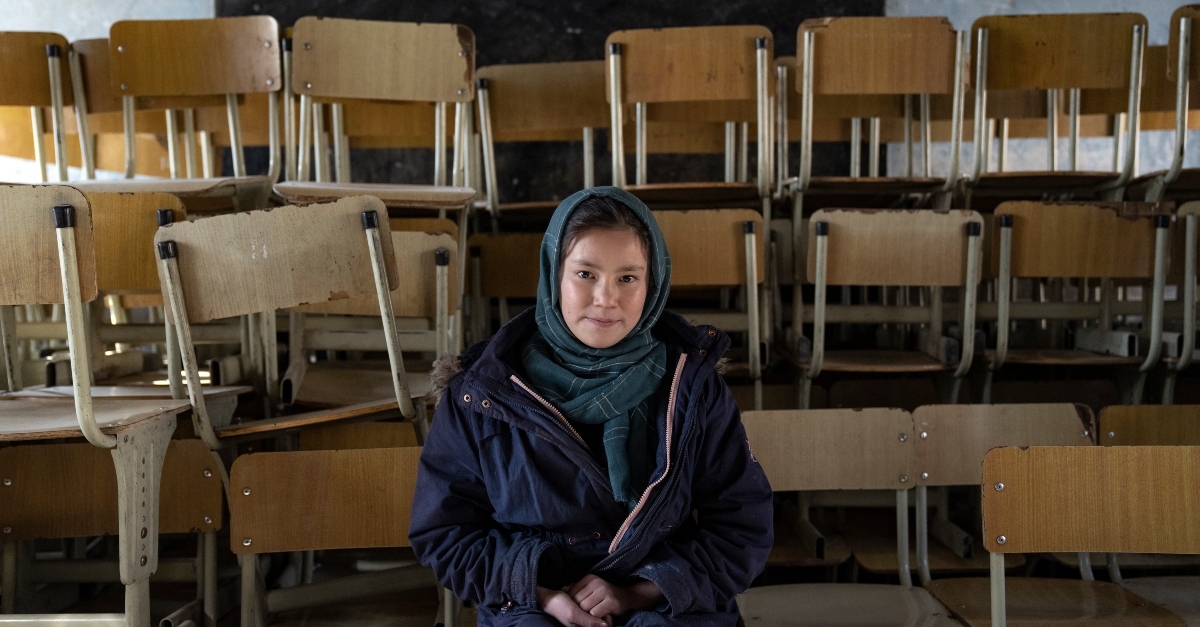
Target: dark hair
{"type": "Point", "coordinates": [602, 212]}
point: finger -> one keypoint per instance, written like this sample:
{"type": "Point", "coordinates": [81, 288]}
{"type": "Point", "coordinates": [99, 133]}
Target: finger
{"type": "Point", "coordinates": [583, 619]}
{"type": "Point", "coordinates": [587, 591]}
{"type": "Point", "coordinates": [589, 599]}
{"type": "Point", "coordinates": [604, 609]}
{"type": "Point", "coordinates": [574, 589]}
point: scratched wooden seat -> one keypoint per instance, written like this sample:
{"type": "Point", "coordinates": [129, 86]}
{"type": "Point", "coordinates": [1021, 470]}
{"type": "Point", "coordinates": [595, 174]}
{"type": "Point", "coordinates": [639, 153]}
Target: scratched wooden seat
{"type": "Point", "coordinates": [885, 462]}
{"type": "Point", "coordinates": [1059, 498]}
{"type": "Point", "coordinates": [1081, 240]}
{"type": "Point", "coordinates": [48, 256]}
{"type": "Point", "coordinates": [355, 498]}
{"type": "Point", "coordinates": [340, 59]}
{"type": "Point", "coordinates": [296, 255]}
{"type": "Point", "coordinates": [659, 72]}
{"type": "Point", "coordinates": [902, 248]}
{"type": "Point", "coordinates": [32, 64]}
{"type": "Point", "coordinates": [558, 102]}
{"type": "Point", "coordinates": [1067, 52]}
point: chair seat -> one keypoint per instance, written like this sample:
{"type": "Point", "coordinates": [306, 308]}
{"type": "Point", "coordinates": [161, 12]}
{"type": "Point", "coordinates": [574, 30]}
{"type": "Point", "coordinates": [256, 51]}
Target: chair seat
{"type": "Point", "coordinates": [274, 426]}
{"type": "Point", "coordinates": [402, 196]}
{"type": "Point", "coordinates": [1035, 182]}
{"type": "Point", "coordinates": [339, 384]}
{"type": "Point", "coordinates": [1064, 357]}
{"type": "Point", "coordinates": [877, 605]}
{"type": "Point", "coordinates": [1132, 561]}
{"type": "Point", "coordinates": [873, 542]}
{"type": "Point", "coordinates": [874, 185]}
{"type": "Point", "coordinates": [879, 361]}
{"type": "Point", "coordinates": [224, 186]}
{"type": "Point", "coordinates": [1036, 601]}
{"type": "Point", "coordinates": [124, 392]}
{"type": "Point", "coordinates": [45, 419]}
{"type": "Point", "coordinates": [702, 193]}
{"type": "Point", "coordinates": [1181, 595]}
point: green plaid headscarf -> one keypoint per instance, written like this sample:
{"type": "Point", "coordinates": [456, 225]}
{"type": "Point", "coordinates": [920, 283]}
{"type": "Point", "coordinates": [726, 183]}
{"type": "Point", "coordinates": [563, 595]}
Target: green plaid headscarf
{"type": "Point", "coordinates": [607, 386]}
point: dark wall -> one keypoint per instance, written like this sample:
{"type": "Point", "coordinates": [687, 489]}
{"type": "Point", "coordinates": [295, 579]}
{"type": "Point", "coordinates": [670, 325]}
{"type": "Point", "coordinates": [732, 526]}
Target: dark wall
{"type": "Point", "coordinates": [528, 31]}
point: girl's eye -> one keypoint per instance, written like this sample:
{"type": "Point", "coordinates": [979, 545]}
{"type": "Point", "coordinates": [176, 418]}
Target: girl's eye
{"type": "Point", "coordinates": [583, 274]}
{"type": "Point", "coordinates": [629, 278]}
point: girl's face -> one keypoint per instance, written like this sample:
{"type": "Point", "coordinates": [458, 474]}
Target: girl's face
{"type": "Point", "coordinates": [603, 285]}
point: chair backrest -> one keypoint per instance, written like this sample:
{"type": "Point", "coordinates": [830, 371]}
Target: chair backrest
{"type": "Point", "coordinates": [832, 449]}
{"type": "Point", "coordinates": [1116, 499]}
{"type": "Point", "coordinates": [530, 99]}
{"type": "Point", "coordinates": [340, 58]}
{"type": "Point", "coordinates": [708, 247]}
{"type": "Point", "coordinates": [682, 137]}
{"type": "Point", "coordinates": [1059, 51]}
{"type": "Point", "coordinates": [434, 226]}
{"type": "Point", "coordinates": [690, 63]}
{"type": "Point", "coordinates": [880, 55]}
{"type": "Point", "coordinates": [25, 69]}
{"type": "Point", "coordinates": [309, 500]}
{"type": "Point", "coordinates": [232, 265]}
{"type": "Point", "coordinates": [376, 124]}
{"type": "Point", "coordinates": [416, 294]}
{"type": "Point", "coordinates": [29, 245]}
{"type": "Point", "coordinates": [508, 263]}
{"type": "Point", "coordinates": [97, 75]}
{"type": "Point", "coordinates": [1158, 90]}
{"type": "Point", "coordinates": [952, 439]}
{"type": "Point", "coordinates": [204, 57]}
{"type": "Point", "coordinates": [1150, 425]}
{"type": "Point", "coordinates": [47, 499]}
{"type": "Point", "coordinates": [893, 247]}
{"type": "Point", "coordinates": [124, 226]}
{"type": "Point", "coordinates": [1065, 239]}
{"type": "Point", "coordinates": [356, 435]}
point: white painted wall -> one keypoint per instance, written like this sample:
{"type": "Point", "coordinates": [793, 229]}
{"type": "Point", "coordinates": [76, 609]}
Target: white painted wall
{"type": "Point", "coordinates": [84, 19]}
{"type": "Point", "coordinates": [1031, 154]}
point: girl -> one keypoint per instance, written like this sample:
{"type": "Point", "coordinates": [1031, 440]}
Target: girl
{"type": "Point", "coordinates": [587, 465]}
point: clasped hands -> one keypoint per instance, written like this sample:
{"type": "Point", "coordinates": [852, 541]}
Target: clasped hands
{"type": "Point", "coordinates": [593, 602]}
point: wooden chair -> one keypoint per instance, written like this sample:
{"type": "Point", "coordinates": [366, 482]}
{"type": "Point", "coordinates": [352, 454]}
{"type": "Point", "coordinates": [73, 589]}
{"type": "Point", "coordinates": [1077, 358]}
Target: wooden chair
{"type": "Point", "coordinates": [869, 67]}
{"type": "Point", "coordinates": [657, 70]}
{"type": "Point", "coordinates": [1089, 240]}
{"type": "Point", "coordinates": [539, 102]}
{"type": "Point", "coordinates": [1059, 498]}
{"type": "Point", "coordinates": [337, 59]}
{"type": "Point", "coordinates": [903, 248]}
{"type": "Point", "coordinates": [884, 460]}
{"type": "Point", "coordinates": [58, 266]}
{"type": "Point", "coordinates": [504, 266]}
{"type": "Point", "coordinates": [1155, 425]}
{"type": "Point", "coordinates": [31, 63]}
{"type": "Point", "coordinates": [1055, 52]}
{"type": "Point", "coordinates": [239, 264]}
{"type": "Point", "coordinates": [356, 498]}
{"type": "Point", "coordinates": [951, 441]}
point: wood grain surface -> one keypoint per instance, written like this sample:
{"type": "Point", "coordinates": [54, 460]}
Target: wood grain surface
{"type": "Point", "coordinates": [1150, 425]}
{"type": "Point", "coordinates": [306, 500]}
{"type": "Point", "coordinates": [708, 246]}
{"type": "Point", "coordinates": [833, 449]}
{"type": "Point", "coordinates": [26, 71]}
{"type": "Point", "coordinates": [70, 491]}
{"type": "Point", "coordinates": [340, 58]}
{"type": "Point", "coordinates": [224, 55]}
{"type": "Point", "coordinates": [689, 63]}
{"type": "Point", "coordinates": [29, 244]}
{"type": "Point", "coordinates": [1121, 499]}
{"type": "Point", "coordinates": [893, 247]}
{"type": "Point", "coordinates": [124, 227]}
{"type": "Point", "coordinates": [880, 55]}
{"type": "Point", "coordinates": [1075, 240]}
{"type": "Point", "coordinates": [546, 97]}
{"type": "Point", "coordinates": [236, 264]}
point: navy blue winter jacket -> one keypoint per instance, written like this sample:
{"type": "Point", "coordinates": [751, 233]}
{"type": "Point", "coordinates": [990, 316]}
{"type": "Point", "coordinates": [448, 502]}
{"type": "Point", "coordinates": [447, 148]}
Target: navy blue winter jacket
{"type": "Point", "coordinates": [508, 497]}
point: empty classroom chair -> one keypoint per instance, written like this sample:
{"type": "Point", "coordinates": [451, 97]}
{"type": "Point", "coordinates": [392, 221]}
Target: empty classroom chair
{"type": "Point", "coordinates": [805, 450]}
{"type": "Point", "coordinates": [725, 67]}
{"type": "Point", "coordinates": [49, 258]}
{"type": "Point", "coordinates": [1056, 498]}
{"type": "Point", "coordinates": [1067, 52]}
{"type": "Point", "coordinates": [561, 102]}
{"type": "Point", "coordinates": [895, 248]}
{"type": "Point", "coordinates": [1087, 241]}
{"type": "Point", "coordinates": [239, 264]}
{"type": "Point", "coordinates": [34, 77]}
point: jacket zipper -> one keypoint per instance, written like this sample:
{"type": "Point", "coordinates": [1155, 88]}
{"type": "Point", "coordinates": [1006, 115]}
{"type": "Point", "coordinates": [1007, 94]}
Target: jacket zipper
{"type": "Point", "coordinates": [670, 428]}
{"type": "Point", "coordinates": [553, 411]}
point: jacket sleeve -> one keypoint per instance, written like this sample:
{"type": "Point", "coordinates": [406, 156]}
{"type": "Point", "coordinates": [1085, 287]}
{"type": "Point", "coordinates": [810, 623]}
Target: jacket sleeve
{"type": "Point", "coordinates": [733, 505]}
{"type": "Point", "coordinates": [452, 529]}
